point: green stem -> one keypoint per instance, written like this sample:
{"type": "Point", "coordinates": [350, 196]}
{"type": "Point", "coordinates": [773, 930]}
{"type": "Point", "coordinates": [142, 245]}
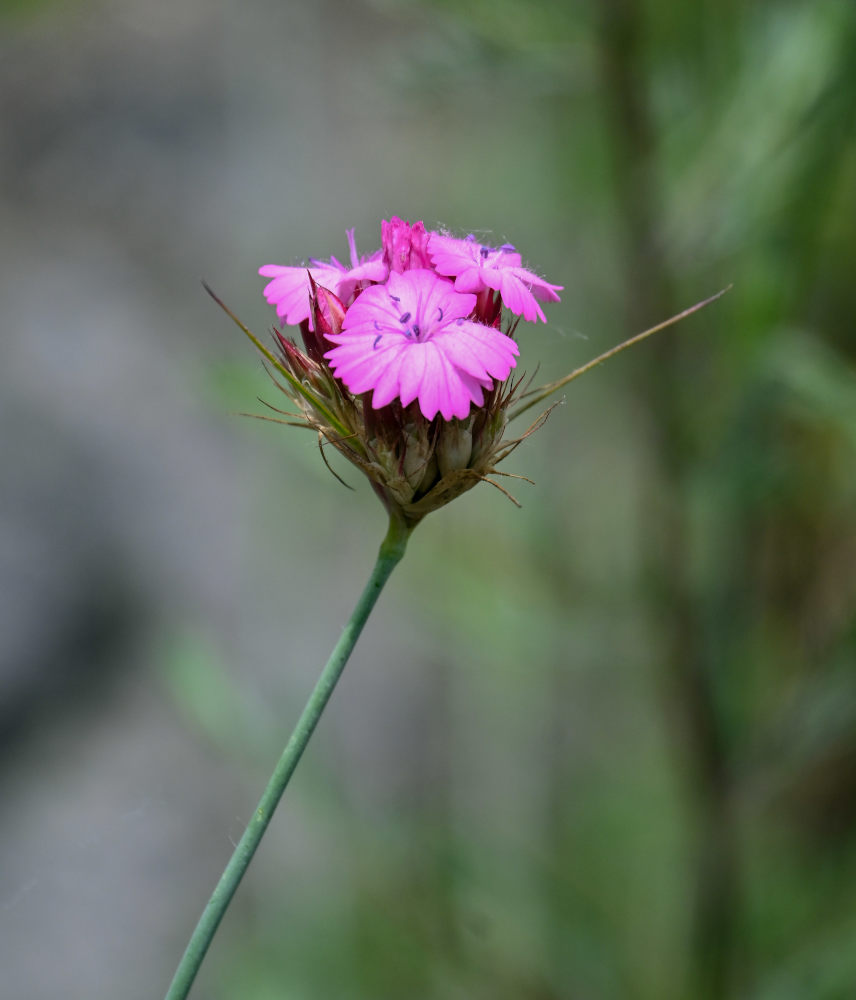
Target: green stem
{"type": "Point", "coordinates": [390, 554]}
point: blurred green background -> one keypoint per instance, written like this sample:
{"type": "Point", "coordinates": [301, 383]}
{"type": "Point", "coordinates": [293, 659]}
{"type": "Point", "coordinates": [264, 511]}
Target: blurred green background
{"type": "Point", "coordinates": [600, 748]}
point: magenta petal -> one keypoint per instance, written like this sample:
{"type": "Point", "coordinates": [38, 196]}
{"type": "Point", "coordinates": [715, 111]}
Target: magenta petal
{"type": "Point", "coordinates": [463, 391]}
{"type": "Point", "coordinates": [496, 353]}
{"type": "Point", "coordinates": [517, 297]}
{"type": "Point", "coordinates": [361, 373]}
{"type": "Point", "coordinates": [462, 353]}
{"type": "Point", "coordinates": [473, 388]}
{"type": "Point", "coordinates": [373, 270]}
{"type": "Point", "coordinates": [538, 286]}
{"type": "Point", "coordinates": [411, 372]}
{"type": "Point", "coordinates": [449, 391]}
{"type": "Point", "coordinates": [288, 292]}
{"type": "Point", "coordinates": [373, 306]}
{"type": "Point", "coordinates": [451, 256]}
{"type": "Point", "coordinates": [471, 279]}
{"type": "Point", "coordinates": [434, 396]}
{"type": "Point", "coordinates": [387, 385]}
{"type": "Point", "coordinates": [479, 351]}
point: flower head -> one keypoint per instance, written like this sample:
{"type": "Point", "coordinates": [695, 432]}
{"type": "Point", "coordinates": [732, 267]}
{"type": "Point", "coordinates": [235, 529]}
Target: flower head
{"type": "Point", "coordinates": [407, 360]}
{"type": "Point", "coordinates": [411, 339]}
{"type": "Point", "coordinates": [290, 289]}
{"type": "Point", "coordinates": [476, 267]}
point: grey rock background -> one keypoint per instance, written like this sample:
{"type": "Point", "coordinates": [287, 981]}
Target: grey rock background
{"type": "Point", "coordinates": [144, 146]}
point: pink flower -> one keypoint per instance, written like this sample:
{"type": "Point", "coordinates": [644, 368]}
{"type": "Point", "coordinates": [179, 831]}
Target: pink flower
{"type": "Point", "coordinates": [289, 291]}
{"type": "Point", "coordinates": [411, 338]}
{"type": "Point", "coordinates": [404, 246]}
{"type": "Point", "coordinates": [476, 267]}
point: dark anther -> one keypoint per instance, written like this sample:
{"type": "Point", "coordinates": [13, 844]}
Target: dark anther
{"type": "Point", "coordinates": [376, 324]}
{"type": "Point", "coordinates": [485, 252]}
{"type": "Point", "coordinates": [377, 340]}
{"type": "Point", "coordinates": [415, 329]}
{"type": "Point", "coordinates": [395, 298]}
{"type": "Point", "coordinates": [440, 311]}
{"type": "Point", "coordinates": [404, 317]}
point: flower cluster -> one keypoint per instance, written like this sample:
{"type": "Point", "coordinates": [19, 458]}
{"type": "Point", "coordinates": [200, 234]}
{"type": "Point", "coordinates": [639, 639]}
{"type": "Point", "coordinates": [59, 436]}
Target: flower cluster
{"type": "Point", "coordinates": [406, 365]}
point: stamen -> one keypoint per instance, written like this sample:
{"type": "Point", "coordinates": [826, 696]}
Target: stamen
{"type": "Point", "coordinates": [404, 317]}
{"type": "Point", "coordinates": [376, 341]}
{"type": "Point", "coordinates": [394, 298]}
{"type": "Point", "coordinates": [440, 314]}
{"type": "Point", "coordinates": [416, 330]}
{"type": "Point", "coordinates": [376, 324]}
{"type": "Point", "coordinates": [485, 252]}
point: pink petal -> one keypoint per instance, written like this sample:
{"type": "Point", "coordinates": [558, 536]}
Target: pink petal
{"type": "Point", "coordinates": [473, 388]}
{"type": "Point", "coordinates": [434, 394]}
{"type": "Point", "coordinates": [480, 351]}
{"type": "Point", "coordinates": [387, 384]}
{"type": "Point", "coordinates": [470, 279]}
{"type": "Point", "coordinates": [288, 292]}
{"type": "Point", "coordinates": [538, 286]}
{"type": "Point", "coordinates": [517, 297]}
{"type": "Point", "coordinates": [411, 372]}
{"type": "Point", "coordinates": [371, 270]}
{"type": "Point", "coordinates": [361, 373]}
{"type": "Point", "coordinates": [443, 389]}
{"type": "Point", "coordinates": [373, 305]}
{"type": "Point", "coordinates": [436, 297]}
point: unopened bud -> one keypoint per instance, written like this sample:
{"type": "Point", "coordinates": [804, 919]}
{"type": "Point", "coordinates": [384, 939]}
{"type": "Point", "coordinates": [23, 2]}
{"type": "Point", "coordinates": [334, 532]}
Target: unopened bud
{"type": "Point", "coordinates": [417, 453]}
{"type": "Point", "coordinates": [455, 447]}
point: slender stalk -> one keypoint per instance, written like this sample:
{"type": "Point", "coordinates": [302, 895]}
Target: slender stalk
{"type": "Point", "coordinates": [537, 395]}
{"type": "Point", "coordinates": [390, 554]}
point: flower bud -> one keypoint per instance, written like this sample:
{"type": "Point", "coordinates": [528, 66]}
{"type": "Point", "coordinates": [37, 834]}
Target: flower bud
{"type": "Point", "coordinates": [404, 246]}
{"type": "Point", "coordinates": [327, 313]}
{"type": "Point", "coordinates": [296, 361]}
{"type": "Point", "coordinates": [417, 461]}
{"type": "Point", "coordinates": [455, 446]}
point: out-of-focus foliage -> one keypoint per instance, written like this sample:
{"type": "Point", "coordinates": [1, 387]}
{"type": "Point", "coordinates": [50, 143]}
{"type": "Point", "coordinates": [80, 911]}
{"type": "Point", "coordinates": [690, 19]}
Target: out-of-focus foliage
{"type": "Point", "coordinates": [679, 692]}
{"type": "Point", "coordinates": [604, 747]}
